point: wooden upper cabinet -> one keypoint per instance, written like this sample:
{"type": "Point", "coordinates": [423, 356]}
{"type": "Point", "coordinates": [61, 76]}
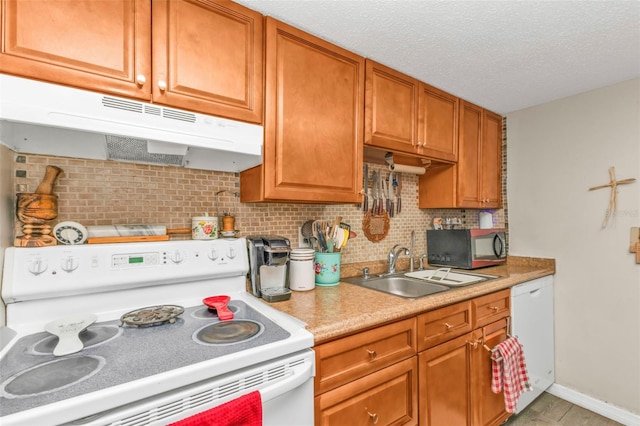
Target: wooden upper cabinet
{"type": "Point", "coordinates": [476, 180]}
{"type": "Point", "coordinates": [391, 109]}
{"type": "Point", "coordinates": [406, 116]}
{"type": "Point", "coordinates": [469, 178]}
{"type": "Point", "coordinates": [207, 57]}
{"type": "Point", "coordinates": [480, 161]}
{"type": "Point", "coordinates": [96, 45]}
{"type": "Point", "coordinates": [491, 161]}
{"type": "Point", "coordinates": [438, 124]}
{"type": "Point", "coordinates": [313, 146]}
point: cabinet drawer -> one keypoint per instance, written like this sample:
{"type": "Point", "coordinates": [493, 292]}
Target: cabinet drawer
{"type": "Point", "coordinates": [387, 397]}
{"type": "Point", "coordinates": [490, 308]}
{"type": "Point", "coordinates": [443, 324]}
{"type": "Point", "coordinates": [352, 357]}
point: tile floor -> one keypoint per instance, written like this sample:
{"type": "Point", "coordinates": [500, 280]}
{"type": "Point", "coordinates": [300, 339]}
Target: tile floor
{"type": "Point", "coordinates": [548, 410]}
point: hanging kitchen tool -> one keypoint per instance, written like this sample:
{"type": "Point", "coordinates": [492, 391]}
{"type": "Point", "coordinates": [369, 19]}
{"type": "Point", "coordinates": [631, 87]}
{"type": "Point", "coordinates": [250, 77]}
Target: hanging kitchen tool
{"type": "Point", "coordinates": [228, 220]}
{"type": "Point", "coordinates": [390, 195]}
{"type": "Point", "coordinates": [399, 208]}
{"type": "Point", "coordinates": [365, 188]}
{"type": "Point", "coordinates": [374, 192]}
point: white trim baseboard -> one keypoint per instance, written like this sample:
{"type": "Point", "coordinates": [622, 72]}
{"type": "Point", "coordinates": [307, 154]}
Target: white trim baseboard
{"type": "Point", "coordinates": [604, 409]}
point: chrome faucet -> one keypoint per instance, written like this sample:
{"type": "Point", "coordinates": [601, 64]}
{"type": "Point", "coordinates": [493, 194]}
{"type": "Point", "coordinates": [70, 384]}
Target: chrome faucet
{"type": "Point", "coordinates": [393, 255]}
{"type": "Point", "coordinates": [422, 257]}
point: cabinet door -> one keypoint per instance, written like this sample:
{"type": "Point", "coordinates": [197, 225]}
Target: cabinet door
{"type": "Point", "coordinates": [445, 383]}
{"type": "Point", "coordinates": [491, 161]}
{"type": "Point", "coordinates": [469, 179]}
{"type": "Point", "coordinates": [387, 397]}
{"type": "Point", "coordinates": [207, 57]}
{"type": "Point", "coordinates": [313, 123]}
{"type": "Point", "coordinates": [438, 128]}
{"type": "Point", "coordinates": [96, 45]}
{"type": "Point", "coordinates": [488, 407]}
{"type": "Point", "coordinates": [391, 109]}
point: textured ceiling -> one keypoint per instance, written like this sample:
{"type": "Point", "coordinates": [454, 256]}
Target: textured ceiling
{"type": "Point", "coordinates": [503, 55]}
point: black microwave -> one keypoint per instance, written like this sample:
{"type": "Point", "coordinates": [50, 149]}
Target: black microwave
{"type": "Point", "coordinates": [466, 248]}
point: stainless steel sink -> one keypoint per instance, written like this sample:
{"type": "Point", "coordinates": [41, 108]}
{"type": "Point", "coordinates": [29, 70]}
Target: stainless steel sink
{"type": "Point", "coordinates": [412, 285]}
{"type": "Point", "coordinates": [399, 285]}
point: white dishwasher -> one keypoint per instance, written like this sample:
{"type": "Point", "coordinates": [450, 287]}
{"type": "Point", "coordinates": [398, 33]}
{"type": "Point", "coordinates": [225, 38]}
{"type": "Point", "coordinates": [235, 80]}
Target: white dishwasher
{"type": "Point", "coordinates": [532, 323]}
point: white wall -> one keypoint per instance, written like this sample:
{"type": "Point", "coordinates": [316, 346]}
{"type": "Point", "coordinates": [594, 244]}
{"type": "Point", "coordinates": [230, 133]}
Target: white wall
{"type": "Point", "coordinates": [556, 152]}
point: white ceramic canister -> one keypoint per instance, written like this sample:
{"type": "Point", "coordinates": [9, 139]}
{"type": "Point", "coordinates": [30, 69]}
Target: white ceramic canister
{"type": "Point", "coordinates": [204, 228]}
{"type": "Point", "coordinates": [301, 269]}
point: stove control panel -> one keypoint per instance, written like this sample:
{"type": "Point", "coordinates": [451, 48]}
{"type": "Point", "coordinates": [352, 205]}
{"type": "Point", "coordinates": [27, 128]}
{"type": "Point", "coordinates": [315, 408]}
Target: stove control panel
{"type": "Point", "coordinates": [43, 272]}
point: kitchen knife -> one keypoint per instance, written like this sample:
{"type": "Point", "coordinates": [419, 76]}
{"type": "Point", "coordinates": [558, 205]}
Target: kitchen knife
{"type": "Point", "coordinates": [391, 194]}
{"type": "Point", "coordinates": [399, 209]}
{"type": "Point", "coordinates": [365, 188]}
{"type": "Point", "coordinates": [374, 193]}
{"type": "Point", "coordinates": [381, 195]}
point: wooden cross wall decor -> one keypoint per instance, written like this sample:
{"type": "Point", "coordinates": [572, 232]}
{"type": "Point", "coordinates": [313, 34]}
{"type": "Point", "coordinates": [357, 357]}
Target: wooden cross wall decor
{"type": "Point", "coordinates": [613, 201]}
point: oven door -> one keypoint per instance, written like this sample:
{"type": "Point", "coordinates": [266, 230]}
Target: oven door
{"type": "Point", "coordinates": [285, 385]}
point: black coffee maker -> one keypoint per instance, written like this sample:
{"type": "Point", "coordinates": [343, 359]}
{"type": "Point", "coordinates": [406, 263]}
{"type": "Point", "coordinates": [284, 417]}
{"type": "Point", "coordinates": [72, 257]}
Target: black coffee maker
{"type": "Point", "coordinates": [269, 267]}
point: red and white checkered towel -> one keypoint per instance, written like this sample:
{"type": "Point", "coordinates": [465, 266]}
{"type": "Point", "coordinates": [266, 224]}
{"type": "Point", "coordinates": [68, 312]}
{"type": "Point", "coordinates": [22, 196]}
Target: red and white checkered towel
{"type": "Point", "coordinates": [509, 372]}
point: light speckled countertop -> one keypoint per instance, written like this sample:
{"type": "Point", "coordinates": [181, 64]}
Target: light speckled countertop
{"type": "Point", "coordinates": [333, 312]}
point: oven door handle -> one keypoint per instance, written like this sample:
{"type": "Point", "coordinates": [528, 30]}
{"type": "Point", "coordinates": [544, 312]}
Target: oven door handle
{"type": "Point", "coordinates": [301, 374]}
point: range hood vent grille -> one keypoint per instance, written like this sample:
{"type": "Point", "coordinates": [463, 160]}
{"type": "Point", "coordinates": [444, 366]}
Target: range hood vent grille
{"type": "Point", "coordinates": [137, 107]}
{"type": "Point", "coordinates": [135, 150]}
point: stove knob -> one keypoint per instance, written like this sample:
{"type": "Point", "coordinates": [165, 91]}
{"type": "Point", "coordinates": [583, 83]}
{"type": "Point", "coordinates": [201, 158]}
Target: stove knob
{"type": "Point", "coordinates": [231, 253]}
{"type": "Point", "coordinates": [69, 264]}
{"type": "Point", "coordinates": [38, 266]}
{"type": "Point", "coordinates": [213, 254]}
{"type": "Point", "coordinates": [176, 257]}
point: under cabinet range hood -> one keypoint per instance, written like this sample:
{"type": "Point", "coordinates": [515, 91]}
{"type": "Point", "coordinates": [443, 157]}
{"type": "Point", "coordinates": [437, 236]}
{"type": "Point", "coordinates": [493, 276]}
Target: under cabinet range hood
{"type": "Point", "coordinates": [48, 119]}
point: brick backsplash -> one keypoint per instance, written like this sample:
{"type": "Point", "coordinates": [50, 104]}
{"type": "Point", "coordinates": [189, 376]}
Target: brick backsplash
{"type": "Point", "coordinates": [94, 192]}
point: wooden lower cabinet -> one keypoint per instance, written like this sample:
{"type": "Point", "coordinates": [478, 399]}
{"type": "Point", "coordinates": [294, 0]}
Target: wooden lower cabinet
{"type": "Point", "coordinates": [375, 378]}
{"type": "Point", "coordinates": [386, 397]}
{"type": "Point", "coordinates": [455, 380]}
{"type": "Point", "coordinates": [487, 407]}
{"type": "Point", "coordinates": [445, 383]}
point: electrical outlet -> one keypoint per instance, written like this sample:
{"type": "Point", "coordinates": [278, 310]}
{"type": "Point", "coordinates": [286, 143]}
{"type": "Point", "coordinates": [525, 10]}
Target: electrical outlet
{"type": "Point", "coordinates": [21, 187]}
{"type": "Point", "coordinates": [302, 241]}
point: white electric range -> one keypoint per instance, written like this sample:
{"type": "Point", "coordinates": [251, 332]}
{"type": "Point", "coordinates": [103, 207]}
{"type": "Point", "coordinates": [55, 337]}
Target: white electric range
{"type": "Point", "coordinates": [126, 373]}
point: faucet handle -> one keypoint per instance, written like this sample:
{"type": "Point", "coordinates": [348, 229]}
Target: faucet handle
{"type": "Point", "coordinates": [422, 256]}
{"type": "Point", "coordinates": [365, 273]}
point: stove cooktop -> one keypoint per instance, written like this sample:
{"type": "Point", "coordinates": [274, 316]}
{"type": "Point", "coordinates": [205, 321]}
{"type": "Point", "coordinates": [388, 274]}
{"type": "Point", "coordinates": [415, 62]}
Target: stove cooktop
{"type": "Point", "coordinates": [114, 355]}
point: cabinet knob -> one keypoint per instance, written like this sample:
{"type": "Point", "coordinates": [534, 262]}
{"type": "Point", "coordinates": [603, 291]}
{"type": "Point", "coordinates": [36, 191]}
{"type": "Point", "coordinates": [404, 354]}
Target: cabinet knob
{"type": "Point", "coordinates": [141, 79]}
{"type": "Point", "coordinates": [373, 417]}
{"type": "Point", "coordinates": [162, 85]}
{"type": "Point", "coordinates": [494, 308]}
{"type": "Point", "coordinates": [372, 354]}
{"type": "Point", "coordinates": [449, 326]}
